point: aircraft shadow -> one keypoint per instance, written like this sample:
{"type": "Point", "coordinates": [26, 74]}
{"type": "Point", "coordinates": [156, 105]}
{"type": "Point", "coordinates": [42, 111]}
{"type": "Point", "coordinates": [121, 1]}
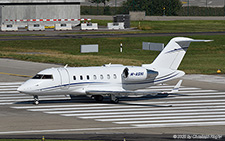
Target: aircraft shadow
{"type": "Point", "coordinates": [85, 99]}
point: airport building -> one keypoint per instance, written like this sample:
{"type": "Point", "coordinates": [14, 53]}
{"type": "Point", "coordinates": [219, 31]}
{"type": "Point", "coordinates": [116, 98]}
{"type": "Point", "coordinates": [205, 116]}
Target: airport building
{"type": "Point", "coordinates": [21, 12]}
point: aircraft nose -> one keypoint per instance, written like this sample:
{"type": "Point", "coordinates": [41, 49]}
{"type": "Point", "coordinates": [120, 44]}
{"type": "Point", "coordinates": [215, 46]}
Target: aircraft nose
{"type": "Point", "coordinates": [21, 89]}
{"type": "Point", "coordinates": [28, 88]}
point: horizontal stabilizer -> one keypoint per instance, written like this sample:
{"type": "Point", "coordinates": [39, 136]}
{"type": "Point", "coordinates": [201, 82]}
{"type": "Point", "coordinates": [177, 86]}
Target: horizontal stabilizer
{"type": "Point", "coordinates": [193, 40]}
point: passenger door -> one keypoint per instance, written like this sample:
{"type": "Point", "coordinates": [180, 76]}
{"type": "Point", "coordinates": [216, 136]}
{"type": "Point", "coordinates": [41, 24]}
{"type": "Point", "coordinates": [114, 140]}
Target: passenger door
{"type": "Point", "coordinates": [64, 77]}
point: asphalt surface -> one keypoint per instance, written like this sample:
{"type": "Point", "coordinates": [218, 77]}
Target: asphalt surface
{"type": "Point", "coordinates": [56, 35]}
{"type": "Point", "coordinates": [196, 112]}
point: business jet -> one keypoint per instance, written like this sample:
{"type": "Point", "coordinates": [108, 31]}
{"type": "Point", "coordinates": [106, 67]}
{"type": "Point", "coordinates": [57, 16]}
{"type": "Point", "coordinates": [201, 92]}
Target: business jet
{"type": "Point", "coordinates": [113, 80]}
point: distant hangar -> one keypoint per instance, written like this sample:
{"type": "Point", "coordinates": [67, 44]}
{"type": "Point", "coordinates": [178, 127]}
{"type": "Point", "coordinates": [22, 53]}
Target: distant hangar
{"type": "Point", "coordinates": [50, 11]}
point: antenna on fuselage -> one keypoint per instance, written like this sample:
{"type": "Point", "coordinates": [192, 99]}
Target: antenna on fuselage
{"type": "Point", "coordinates": [66, 66]}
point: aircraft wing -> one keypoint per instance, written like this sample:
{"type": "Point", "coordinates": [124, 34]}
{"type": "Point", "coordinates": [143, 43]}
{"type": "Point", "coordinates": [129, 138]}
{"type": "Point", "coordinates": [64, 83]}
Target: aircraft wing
{"type": "Point", "coordinates": [126, 93]}
{"type": "Point", "coordinates": [119, 93]}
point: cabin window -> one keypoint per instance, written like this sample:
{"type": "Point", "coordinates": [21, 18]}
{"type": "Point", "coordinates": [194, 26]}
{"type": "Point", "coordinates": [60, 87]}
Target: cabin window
{"type": "Point", "coordinates": [108, 76]}
{"type": "Point", "coordinates": [74, 77]}
{"type": "Point", "coordinates": [81, 77]}
{"type": "Point", "coordinates": [42, 76]}
{"type": "Point", "coordinates": [88, 77]}
{"type": "Point", "coordinates": [101, 76]}
{"type": "Point", "coordinates": [95, 77]}
{"type": "Point", "coordinates": [114, 76]}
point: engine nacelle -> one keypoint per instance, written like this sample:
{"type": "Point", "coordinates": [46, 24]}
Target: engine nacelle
{"type": "Point", "coordinates": [132, 74]}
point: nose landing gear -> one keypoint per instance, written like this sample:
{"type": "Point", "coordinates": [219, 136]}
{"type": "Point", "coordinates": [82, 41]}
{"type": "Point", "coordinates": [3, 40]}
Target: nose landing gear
{"type": "Point", "coordinates": [36, 100]}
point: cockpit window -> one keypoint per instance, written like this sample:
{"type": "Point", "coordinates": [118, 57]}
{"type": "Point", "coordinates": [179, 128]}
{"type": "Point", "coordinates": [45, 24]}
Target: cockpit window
{"type": "Point", "coordinates": [37, 76]}
{"type": "Point", "coordinates": [41, 76]}
{"type": "Point", "coordinates": [47, 77]}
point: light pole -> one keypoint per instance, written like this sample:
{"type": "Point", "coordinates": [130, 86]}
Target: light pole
{"type": "Point", "coordinates": [224, 7]}
{"type": "Point", "coordinates": [188, 8]}
{"type": "Point", "coordinates": [115, 6]}
{"type": "Point", "coordinates": [97, 7]}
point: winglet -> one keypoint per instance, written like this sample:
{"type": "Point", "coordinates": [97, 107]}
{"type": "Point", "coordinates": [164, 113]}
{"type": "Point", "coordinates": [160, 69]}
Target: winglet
{"type": "Point", "coordinates": [176, 88]}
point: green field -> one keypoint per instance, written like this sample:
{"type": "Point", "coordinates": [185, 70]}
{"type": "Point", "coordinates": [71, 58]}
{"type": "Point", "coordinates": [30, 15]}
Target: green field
{"type": "Point", "coordinates": [203, 58]}
{"type": "Point", "coordinates": [179, 26]}
{"type": "Point", "coordinates": [174, 26]}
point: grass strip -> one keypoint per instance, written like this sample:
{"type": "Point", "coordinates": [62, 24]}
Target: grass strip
{"type": "Point", "coordinates": [204, 58]}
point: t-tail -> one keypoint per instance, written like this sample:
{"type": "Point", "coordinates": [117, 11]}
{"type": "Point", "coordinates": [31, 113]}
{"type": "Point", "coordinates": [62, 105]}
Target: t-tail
{"type": "Point", "coordinates": [172, 55]}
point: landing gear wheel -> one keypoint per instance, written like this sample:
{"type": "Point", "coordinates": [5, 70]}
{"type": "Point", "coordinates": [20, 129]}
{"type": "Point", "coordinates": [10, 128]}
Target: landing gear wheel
{"type": "Point", "coordinates": [36, 100]}
{"type": "Point", "coordinates": [98, 98]}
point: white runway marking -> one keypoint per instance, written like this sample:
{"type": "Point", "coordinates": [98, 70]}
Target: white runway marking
{"type": "Point", "coordinates": [31, 99]}
{"type": "Point", "coordinates": [180, 124]}
{"type": "Point", "coordinates": [8, 86]}
{"type": "Point", "coordinates": [202, 102]}
{"type": "Point", "coordinates": [120, 110]}
{"type": "Point", "coordinates": [173, 121]}
{"type": "Point", "coordinates": [215, 93]}
{"type": "Point", "coordinates": [8, 92]}
{"type": "Point", "coordinates": [190, 107]}
{"type": "Point", "coordinates": [9, 95]}
{"type": "Point", "coordinates": [183, 101]}
{"type": "Point", "coordinates": [157, 118]}
{"type": "Point", "coordinates": [56, 106]}
{"type": "Point", "coordinates": [150, 115]}
{"type": "Point", "coordinates": [145, 112]}
{"type": "Point", "coordinates": [8, 89]}
{"type": "Point", "coordinates": [194, 97]}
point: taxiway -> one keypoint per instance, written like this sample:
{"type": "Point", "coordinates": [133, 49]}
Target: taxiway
{"type": "Point", "coordinates": [199, 108]}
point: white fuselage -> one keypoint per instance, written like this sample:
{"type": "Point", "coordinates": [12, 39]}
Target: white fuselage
{"type": "Point", "coordinates": [79, 80]}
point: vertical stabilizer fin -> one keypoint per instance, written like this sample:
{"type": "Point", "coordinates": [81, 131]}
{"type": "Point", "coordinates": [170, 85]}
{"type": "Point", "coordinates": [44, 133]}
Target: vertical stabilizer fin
{"type": "Point", "coordinates": [172, 55]}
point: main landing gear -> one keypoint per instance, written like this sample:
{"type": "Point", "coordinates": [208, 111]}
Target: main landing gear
{"type": "Point", "coordinates": [114, 99]}
{"type": "Point", "coordinates": [36, 100]}
{"type": "Point", "coordinates": [99, 98]}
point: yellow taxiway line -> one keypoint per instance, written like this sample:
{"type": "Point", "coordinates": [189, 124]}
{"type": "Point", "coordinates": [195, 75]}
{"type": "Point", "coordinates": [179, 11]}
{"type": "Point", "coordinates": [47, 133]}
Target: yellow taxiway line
{"type": "Point", "coordinates": [11, 74]}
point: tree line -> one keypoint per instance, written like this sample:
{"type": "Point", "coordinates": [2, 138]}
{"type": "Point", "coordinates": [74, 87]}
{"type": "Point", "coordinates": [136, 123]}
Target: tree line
{"type": "Point", "coordinates": [151, 7]}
